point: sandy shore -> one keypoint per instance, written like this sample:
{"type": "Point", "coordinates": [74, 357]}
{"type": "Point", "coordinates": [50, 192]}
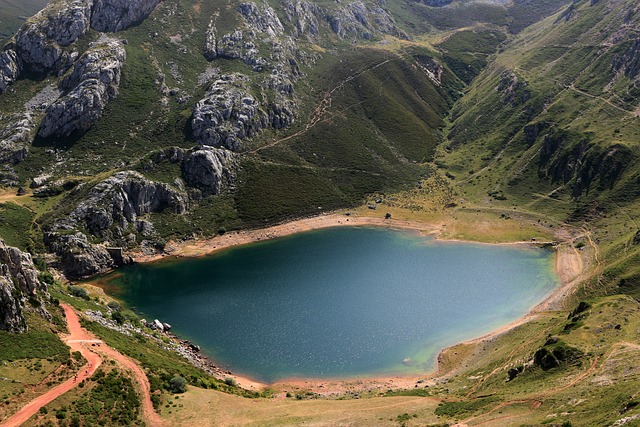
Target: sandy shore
{"type": "Point", "coordinates": [197, 248]}
{"type": "Point", "coordinates": [569, 267]}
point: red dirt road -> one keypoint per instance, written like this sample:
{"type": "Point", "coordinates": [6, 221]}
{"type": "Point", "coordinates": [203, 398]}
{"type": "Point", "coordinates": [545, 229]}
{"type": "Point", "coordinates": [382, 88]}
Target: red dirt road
{"type": "Point", "coordinates": [79, 339]}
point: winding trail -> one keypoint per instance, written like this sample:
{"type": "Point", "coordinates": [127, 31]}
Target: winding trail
{"type": "Point", "coordinates": [79, 339]}
{"type": "Point", "coordinates": [322, 109]}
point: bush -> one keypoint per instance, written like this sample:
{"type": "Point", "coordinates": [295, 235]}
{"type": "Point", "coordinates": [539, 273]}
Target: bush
{"type": "Point", "coordinates": [118, 317]}
{"type": "Point", "coordinates": [79, 292]}
{"type": "Point", "coordinates": [231, 382]}
{"type": "Point", "coordinates": [178, 385]}
{"type": "Point", "coordinates": [46, 278]}
{"type": "Point", "coordinates": [114, 306]}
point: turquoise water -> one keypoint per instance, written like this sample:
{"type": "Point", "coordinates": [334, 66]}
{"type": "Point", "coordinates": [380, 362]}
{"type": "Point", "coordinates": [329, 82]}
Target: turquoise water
{"type": "Point", "coordinates": [339, 302]}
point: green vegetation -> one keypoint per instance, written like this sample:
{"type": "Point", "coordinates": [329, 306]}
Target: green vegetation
{"type": "Point", "coordinates": [111, 400]}
{"type": "Point", "coordinates": [79, 292]}
{"type": "Point", "coordinates": [34, 344]}
{"type": "Point", "coordinates": [532, 125]}
{"type": "Point", "coordinates": [466, 52]}
{"type": "Point", "coordinates": [459, 409]}
{"type": "Point", "coordinates": [15, 222]}
{"type": "Point", "coordinates": [13, 15]}
{"type": "Point", "coordinates": [178, 385]}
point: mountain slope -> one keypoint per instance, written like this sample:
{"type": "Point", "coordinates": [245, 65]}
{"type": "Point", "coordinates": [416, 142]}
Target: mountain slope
{"type": "Point", "coordinates": [552, 126]}
{"type": "Point", "coordinates": [139, 122]}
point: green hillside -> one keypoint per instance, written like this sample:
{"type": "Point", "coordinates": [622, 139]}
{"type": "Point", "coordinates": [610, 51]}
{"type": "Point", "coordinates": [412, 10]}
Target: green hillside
{"type": "Point", "coordinates": [496, 121]}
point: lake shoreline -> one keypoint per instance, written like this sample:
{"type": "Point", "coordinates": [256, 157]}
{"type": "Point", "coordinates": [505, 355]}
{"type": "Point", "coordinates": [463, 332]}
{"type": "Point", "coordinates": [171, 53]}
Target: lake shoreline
{"type": "Point", "coordinates": [569, 267]}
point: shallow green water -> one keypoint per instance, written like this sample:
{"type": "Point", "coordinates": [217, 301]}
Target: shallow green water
{"type": "Point", "coordinates": [339, 302]}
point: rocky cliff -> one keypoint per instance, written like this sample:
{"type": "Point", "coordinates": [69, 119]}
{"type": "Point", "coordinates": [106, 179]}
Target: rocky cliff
{"type": "Point", "coordinates": [118, 15]}
{"type": "Point", "coordinates": [87, 90]}
{"type": "Point", "coordinates": [18, 282]}
{"type": "Point", "coordinates": [45, 44]}
{"type": "Point", "coordinates": [109, 213]}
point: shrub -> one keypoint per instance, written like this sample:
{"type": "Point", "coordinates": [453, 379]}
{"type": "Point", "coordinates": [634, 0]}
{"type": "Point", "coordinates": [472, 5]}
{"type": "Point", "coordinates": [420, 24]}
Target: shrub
{"type": "Point", "coordinates": [79, 292]}
{"type": "Point", "coordinates": [231, 382]}
{"type": "Point", "coordinates": [118, 317]}
{"type": "Point", "coordinates": [178, 385]}
{"type": "Point", "coordinates": [46, 278]}
{"type": "Point", "coordinates": [114, 305]}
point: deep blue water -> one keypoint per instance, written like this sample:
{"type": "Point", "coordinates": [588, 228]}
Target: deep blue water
{"type": "Point", "coordinates": [339, 302]}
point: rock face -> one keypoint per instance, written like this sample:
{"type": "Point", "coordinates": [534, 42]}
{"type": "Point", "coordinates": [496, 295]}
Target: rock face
{"type": "Point", "coordinates": [39, 45]}
{"type": "Point", "coordinates": [117, 15]}
{"type": "Point", "coordinates": [629, 61]}
{"type": "Point", "coordinates": [120, 199]}
{"type": "Point", "coordinates": [9, 69]}
{"type": "Point", "coordinates": [39, 42]}
{"type": "Point", "coordinates": [110, 211]}
{"type": "Point", "coordinates": [357, 19]}
{"type": "Point", "coordinates": [18, 281]}
{"type": "Point", "coordinates": [227, 114]}
{"type": "Point", "coordinates": [304, 15]}
{"type": "Point", "coordinates": [78, 257]}
{"type": "Point", "coordinates": [514, 90]}
{"type": "Point", "coordinates": [208, 168]}
{"type": "Point", "coordinates": [92, 84]}
{"type": "Point", "coordinates": [363, 20]}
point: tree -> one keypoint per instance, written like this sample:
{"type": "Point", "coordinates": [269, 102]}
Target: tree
{"type": "Point", "coordinates": [178, 385]}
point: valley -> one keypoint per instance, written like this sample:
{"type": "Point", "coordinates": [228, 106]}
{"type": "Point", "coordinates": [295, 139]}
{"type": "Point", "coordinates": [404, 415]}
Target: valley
{"type": "Point", "coordinates": [183, 127]}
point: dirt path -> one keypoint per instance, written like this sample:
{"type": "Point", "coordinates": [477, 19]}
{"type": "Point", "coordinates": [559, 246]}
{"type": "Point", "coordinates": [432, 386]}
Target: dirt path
{"type": "Point", "coordinates": [79, 339]}
{"type": "Point", "coordinates": [321, 110]}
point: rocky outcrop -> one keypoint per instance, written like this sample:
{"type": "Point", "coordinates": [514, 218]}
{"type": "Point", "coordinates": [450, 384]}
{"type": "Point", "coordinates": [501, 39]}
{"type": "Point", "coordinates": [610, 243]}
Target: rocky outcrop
{"type": "Point", "coordinates": [111, 212]}
{"type": "Point", "coordinates": [228, 113]}
{"type": "Point", "coordinates": [21, 127]}
{"type": "Point", "coordinates": [363, 20]}
{"type": "Point", "coordinates": [209, 169]}
{"type": "Point", "coordinates": [9, 69]}
{"type": "Point", "coordinates": [115, 203]}
{"type": "Point", "coordinates": [39, 46]}
{"type": "Point", "coordinates": [515, 90]}
{"type": "Point", "coordinates": [261, 24]}
{"type": "Point", "coordinates": [18, 281]}
{"type": "Point", "coordinates": [39, 42]}
{"type": "Point", "coordinates": [78, 257]}
{"type": "Point", "coordinates": [304, 16]}
{"type": "Point", "coordinates": [118, 15]}
{"type": "Point", "coordinates": [92, 84]}
{"type": "Point", "coordinates": [263, 20]}
{"type": "Point", "coordinates": [354, 20]}
{"type": "Point", "coordinates": [628, 62]}
{"type": "Point", "coordinates": [11, 317]}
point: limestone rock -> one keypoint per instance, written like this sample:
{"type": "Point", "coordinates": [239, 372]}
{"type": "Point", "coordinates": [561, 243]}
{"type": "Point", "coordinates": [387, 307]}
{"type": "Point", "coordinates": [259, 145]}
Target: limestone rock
{"type": "Point", "coordinates": [18, 281]}
{"type": "Point", "coordinates": [354, 20]}
{"type": "Point", "coordinates": [208, 168]}
{"type": "Point", "coordinates": [264, 20]}
{"type": "Point", "coordinates": [304, 15]}
{"type": "Point", "coordinates": [92, 84]}
{"type": "Point", "coordinates": [18, 265]}
{"type": "Point", "coordinates": [228, 113]}
{"type": "Point", "coordinates": [515, 90]}
{"type": "Point", "coordinates": [120, 199]}
{"type": "Point", "coordinates": [118, 15]}
{"type": "Point", "coordinates": [211, 42]}
{"type": "Point", "coordinates": [39, 42]}
{"type": "Point", "coordinates": [363, 20]}
{"type": "Point", "coordinates": [78, 257]}
{"type": "Point", "coordinates": [11, 317]}
{"type": "Point", "coordinates": [9, 69]}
